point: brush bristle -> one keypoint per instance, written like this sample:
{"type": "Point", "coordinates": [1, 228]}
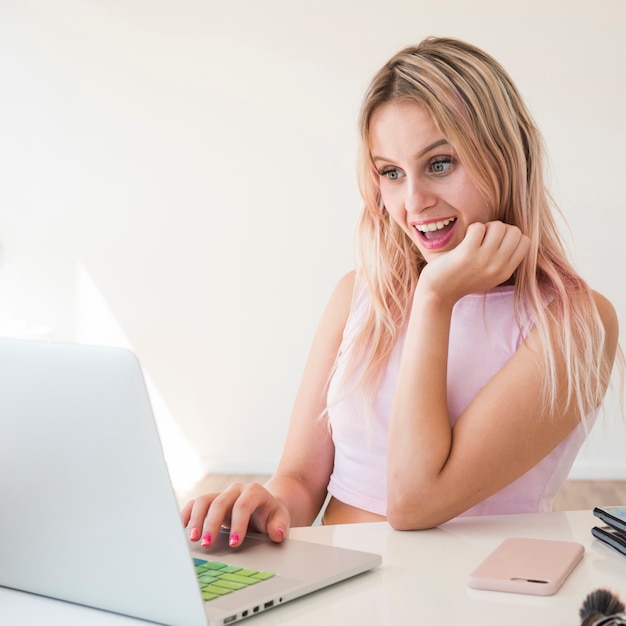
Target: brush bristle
{"type": "Point", "coordinates": [599, 603]}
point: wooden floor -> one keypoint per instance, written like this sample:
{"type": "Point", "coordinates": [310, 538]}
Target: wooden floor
{"type": "Point", "coordinates": [574, 495]}
{"type": "Point", "coordinates": [585, 494]}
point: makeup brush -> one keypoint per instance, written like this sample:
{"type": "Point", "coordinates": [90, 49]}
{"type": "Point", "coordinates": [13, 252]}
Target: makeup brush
{"type": "Point", "coordinates": [602, 608]}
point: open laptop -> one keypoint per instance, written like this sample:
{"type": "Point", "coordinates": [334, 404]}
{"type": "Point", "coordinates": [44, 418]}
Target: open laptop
{"type": "Point", "coordinates": [88, 512]}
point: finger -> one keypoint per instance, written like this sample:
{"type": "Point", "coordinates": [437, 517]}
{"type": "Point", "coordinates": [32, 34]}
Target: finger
{"type": "Point", "coordinates": [185, 512]}
{"type": "Point", "coordinates": [512, 241]}
{"type": "Point", "coordinates": [520, 252]}
{"type": "Point", "coordinates": [273, 519]}
{"type": "Point", "coordinates": [196, 513]}
{"type": "Point", "coordinates": [219, 513]}
{"type": "Point", "coordinates": [475, 234]}
{"type": "Point", "coordinates": [502, 239]}
{"type": "Point", "coordinates": [254, 501]}
{"type": "Point", "coordinates": [512, 251]}
{"type": "Point", "coordinates": [496, 234]}
{"type": "Point", "coordinates": [497, 253]}
{"type": "Point", "coordinates": [278, 525]}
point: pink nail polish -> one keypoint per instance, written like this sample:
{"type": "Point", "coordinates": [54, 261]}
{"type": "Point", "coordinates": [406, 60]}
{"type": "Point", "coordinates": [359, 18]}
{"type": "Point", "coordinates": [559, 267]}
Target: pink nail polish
{"type": "Point", "coordinates": [194, 534]}
{"type": "Point", "coordinates": [234, 539]}
{"type": "Point", "coordinates": [206, 540]}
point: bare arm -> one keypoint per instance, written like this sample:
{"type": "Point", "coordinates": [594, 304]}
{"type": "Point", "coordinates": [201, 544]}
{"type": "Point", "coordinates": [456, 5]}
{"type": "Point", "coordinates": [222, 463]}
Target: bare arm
{"type": "Point", "coordinates": [435, 472]}
{"type": "Point", "coordinates": [296, 492]}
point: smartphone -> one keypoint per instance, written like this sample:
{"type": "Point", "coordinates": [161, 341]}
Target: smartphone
{"type": "Point", "coordinates": [524, 565]}
{"type": "Point", "coordinates": [611, 537]}
{"type": "Point", "coordinates": [614, 516]}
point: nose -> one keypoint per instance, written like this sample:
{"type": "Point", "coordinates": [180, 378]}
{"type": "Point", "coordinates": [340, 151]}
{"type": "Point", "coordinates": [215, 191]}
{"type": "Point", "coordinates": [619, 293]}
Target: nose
{"type": "Point", "coordinates": [419, 197]}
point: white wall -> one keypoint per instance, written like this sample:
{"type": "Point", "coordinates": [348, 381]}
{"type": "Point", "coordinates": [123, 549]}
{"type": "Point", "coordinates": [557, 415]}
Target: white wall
{"type": "Point", "coordinates": [179, 176]}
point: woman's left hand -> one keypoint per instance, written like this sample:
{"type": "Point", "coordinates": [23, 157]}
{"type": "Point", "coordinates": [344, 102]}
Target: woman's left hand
{"type": "Point", "coordinates": [487, 257]}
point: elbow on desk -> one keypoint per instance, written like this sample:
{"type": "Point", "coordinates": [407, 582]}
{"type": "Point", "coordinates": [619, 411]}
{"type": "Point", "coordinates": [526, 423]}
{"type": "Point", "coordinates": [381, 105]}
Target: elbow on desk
{"type": "Point", "coordinates": [421, 508]}
{"type": "Point", "coordinates": [405, 518]}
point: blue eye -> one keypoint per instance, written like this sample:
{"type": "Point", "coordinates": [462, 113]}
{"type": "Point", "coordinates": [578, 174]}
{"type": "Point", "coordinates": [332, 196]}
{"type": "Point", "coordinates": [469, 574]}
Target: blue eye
{"type": "Point", "coordinates": [392, 173]}
{"type": "Point", "coordinates": [441, 165]}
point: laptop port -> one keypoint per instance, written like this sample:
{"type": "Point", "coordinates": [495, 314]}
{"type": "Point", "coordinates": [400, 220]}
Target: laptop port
{"type": "Point", "coordinates": [269, 604]}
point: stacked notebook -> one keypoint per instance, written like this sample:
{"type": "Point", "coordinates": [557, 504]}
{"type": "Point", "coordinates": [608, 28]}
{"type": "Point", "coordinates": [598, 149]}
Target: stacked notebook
{"type": "Point", "coordinates": [614, 533]}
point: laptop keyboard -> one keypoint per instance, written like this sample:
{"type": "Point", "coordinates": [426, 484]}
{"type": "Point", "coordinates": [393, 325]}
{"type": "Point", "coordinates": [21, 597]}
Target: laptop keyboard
{"type": "Point", "coordinates": [217, 579]}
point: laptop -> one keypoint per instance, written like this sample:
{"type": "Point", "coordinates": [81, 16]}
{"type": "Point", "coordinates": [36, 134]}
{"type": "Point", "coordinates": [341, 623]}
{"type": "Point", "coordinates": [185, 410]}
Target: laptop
{"type": "Point", "coordinates": [89, 514]}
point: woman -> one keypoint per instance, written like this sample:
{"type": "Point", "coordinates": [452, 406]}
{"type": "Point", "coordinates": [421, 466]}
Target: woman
{"type": "Point", "coordinates": [460, 367]}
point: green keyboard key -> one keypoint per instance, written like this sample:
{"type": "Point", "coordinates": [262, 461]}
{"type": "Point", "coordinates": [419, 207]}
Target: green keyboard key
{"type": "Point", "coordinates": [206, 596]}
{"type": "Point", "coordinates": [245, 580]}
{"type": "Point", "coordinates": [220, 591]}
{"type": "Point", "coordinates": [247, 572]}
{"type": "Point", "coordinates": [229, 584]}
{"type": "Point", "coordinates": [207, 579]}
{"type": "Point", "coordinates": [217, 579]}
{"type": "Point", "coordinates": [215, 565]}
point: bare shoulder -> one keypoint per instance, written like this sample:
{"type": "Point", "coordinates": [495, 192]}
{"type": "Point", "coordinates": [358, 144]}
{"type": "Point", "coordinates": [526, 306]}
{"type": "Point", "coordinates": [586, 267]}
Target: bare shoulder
{"type": "Point", "coordinates": [345, 286]}
{"type": "Point", "coordinates": [341, 300]}
{"type": "Point", "coordinates": [337, 310]}
{"type": "Point", "coordinates": [610, 321]}
{"type": "Point", "coordinates": [608, 315]}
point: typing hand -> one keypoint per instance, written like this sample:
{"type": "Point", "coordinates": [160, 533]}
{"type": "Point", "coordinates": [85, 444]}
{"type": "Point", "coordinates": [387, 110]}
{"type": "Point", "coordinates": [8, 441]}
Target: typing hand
{"type": "Point", "coordinates": [487, 257]}
{"type": "Point", "coordinates": [242, 508]}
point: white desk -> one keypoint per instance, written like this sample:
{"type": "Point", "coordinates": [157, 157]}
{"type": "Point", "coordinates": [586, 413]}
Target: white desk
{"type": "Point", "coordinates": [422, 579]}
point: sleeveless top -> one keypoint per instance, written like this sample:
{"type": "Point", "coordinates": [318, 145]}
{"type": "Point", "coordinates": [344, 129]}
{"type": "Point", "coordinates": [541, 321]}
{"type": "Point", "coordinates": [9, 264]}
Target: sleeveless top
{"type": "Point", "coordinates": [484, 335]}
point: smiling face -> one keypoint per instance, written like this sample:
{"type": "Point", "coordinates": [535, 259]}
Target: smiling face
{"type": "Point", "coordinates": [423, 185]}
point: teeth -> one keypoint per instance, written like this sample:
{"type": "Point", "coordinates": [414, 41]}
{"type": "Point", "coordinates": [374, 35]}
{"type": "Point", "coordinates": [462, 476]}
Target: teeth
{"type": "Point", "coordinates": [432, 226]}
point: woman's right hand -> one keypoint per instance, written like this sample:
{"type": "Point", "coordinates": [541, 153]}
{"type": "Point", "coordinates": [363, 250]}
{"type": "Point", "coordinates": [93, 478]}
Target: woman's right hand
{"type": "Point", "coordinates": [240, 508]}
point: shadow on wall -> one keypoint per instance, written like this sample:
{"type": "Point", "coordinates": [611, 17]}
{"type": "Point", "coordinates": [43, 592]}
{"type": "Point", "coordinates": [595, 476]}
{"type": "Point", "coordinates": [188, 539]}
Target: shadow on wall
{"type": "Point", "coordinates": [95, 324]}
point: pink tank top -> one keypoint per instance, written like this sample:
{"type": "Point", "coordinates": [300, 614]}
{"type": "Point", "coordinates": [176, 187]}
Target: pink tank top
{"type": "Point", "coordinates": [484, 335]}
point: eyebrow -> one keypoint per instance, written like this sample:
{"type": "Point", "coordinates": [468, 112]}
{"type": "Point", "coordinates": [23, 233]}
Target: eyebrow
{"type": "Point", "coordinates": [420, 154]}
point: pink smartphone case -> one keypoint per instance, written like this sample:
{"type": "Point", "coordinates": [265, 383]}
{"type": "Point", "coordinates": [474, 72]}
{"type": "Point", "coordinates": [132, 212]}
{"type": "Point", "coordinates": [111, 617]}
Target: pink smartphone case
{"type": "Point", "coordinates": [524, 565]}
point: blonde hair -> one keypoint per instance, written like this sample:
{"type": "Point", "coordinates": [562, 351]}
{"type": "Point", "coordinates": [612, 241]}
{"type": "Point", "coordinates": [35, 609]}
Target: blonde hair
{"type": "Point", "coordinates": [475, 105]}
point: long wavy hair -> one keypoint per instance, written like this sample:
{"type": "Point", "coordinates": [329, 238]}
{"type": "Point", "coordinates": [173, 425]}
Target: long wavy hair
{"type": "Point", "coordinates": [478, 109]}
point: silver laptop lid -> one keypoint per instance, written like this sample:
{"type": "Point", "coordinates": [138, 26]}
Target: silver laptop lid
{"type": "Point", "coordinates": [76, 429]}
